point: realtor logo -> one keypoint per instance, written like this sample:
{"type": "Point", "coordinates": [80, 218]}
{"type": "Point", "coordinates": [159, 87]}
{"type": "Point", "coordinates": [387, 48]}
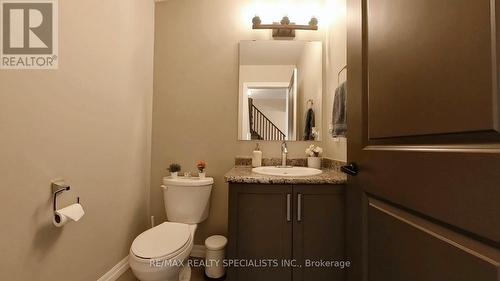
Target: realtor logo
{"type": "Point", "coordinates": [28, 34]}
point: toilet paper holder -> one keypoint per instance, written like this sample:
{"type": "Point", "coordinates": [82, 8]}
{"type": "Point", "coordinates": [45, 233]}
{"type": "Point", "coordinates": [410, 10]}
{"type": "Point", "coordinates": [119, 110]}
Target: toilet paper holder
{"type": "Point", "coordinates": [58, 188]}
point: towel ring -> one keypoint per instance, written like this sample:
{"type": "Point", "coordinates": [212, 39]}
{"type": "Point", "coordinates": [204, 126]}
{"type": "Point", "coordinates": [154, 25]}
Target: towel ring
{"type": "Point", "coordinates": [340, 72]}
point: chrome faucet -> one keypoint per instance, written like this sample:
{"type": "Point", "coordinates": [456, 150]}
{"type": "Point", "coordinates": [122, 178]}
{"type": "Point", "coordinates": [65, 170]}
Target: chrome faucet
{"type": "Point", "coordinates": [284, 154]}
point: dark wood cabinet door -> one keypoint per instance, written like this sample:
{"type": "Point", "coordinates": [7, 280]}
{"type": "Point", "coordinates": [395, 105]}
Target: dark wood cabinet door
{"type": "Point", "coordinates": [318, 231]}
{"type": "Point", "coordinates": [423, 118]}
{"type": "Point", "coordinates": [260, 228]}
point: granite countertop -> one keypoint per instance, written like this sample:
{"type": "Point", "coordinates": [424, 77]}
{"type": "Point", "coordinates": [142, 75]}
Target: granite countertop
{"type": "Point", "coordinates": [243, 174]}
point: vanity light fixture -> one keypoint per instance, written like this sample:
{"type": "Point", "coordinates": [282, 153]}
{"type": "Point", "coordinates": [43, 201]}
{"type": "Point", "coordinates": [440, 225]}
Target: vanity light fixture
{"type": "Point", "coordinates": [284, 28]}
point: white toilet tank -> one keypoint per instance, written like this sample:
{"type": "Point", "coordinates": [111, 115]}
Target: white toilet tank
{"type": "Point", "coordinates": [187, 200]}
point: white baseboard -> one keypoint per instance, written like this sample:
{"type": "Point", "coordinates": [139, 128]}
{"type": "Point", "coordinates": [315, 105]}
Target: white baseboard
{"type": "Point", "coordinates": [198, 251]}
{"type": "Point", "coordinates": [117, 271]}
{"type": "Point", "coordinates": [114, 273]}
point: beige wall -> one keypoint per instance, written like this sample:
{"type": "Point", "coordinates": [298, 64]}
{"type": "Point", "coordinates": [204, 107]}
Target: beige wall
{"type": "Point", "coordinates": [310, 87]}
{"type": "Point", "coordinates": [89, 123]}
{"type": "Point", "coordinates": [336, 58]}
{"type": "Point", "coordinates": [195, 113]}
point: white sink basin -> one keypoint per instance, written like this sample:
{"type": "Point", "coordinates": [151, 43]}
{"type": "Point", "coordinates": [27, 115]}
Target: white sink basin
{"type": "Point", "coordinates": [287, 172]}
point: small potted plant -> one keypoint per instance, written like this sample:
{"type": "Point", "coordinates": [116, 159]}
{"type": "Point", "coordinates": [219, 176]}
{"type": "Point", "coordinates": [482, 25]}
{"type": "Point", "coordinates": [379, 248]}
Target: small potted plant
{"type": "Point", "coordinates": [174, 169]}
{"type": "Point", "coordinates": [314, 159]}
{"type": "Point", "coordinates": [201, 165]}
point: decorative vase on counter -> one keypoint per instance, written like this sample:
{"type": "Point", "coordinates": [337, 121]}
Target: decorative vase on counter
{"type": "Point", "coordinates": [314, 162]}
{"type": "Point", "coordinates": [174, 168]}
{"type": "Point", "coordinates": [201, 165]}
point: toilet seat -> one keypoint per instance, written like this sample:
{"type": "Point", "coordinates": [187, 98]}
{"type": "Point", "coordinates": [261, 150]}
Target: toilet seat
{"type": "Point", "coordinates": [162, 241]}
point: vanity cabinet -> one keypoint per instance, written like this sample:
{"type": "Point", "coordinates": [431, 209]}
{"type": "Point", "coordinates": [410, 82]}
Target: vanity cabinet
{"type": "Point", "coordinates": [271, 224]}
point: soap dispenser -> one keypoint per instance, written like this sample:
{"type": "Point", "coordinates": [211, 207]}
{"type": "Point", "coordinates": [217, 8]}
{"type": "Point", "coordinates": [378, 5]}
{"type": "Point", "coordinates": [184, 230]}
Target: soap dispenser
{"type": "Point", "coordinates": [257, 157]}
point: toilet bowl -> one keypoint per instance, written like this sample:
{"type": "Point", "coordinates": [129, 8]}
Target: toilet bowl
{"type": "Point", "coordinates": [161, 253]}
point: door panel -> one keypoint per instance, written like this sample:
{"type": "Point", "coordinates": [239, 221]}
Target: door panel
{"type": "Point", "coordinates": [430, 67]}
{"type": "Point", "coordinates": [419, 250]}
{"type": "Point", "coordinates": [457, 188]}
{"type": "Point", "coordinates": [318, 231]}
{"type": "Point", "coordinates": [423, 129]}
{"type": "Point", "coordinates": [258, 216]}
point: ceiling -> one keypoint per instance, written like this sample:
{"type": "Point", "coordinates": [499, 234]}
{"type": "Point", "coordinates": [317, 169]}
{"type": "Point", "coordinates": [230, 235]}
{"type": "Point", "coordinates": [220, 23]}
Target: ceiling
{"type": "Point", "coordinates": [268, 93]}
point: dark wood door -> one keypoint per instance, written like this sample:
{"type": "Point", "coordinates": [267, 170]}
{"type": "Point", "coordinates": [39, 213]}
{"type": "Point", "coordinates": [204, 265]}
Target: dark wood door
{"type": "Point", "coordinates": [424, 131]}
{"type": "Point", "coordinates": [260, 229]}
{"type": "Point", "coordinates": [318, 232]}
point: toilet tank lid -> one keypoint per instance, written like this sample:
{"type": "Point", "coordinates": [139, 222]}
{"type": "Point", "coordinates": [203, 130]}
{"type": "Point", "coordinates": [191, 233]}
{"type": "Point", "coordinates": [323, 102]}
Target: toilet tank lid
{"type": "Point", "coordinates": [187, 181]}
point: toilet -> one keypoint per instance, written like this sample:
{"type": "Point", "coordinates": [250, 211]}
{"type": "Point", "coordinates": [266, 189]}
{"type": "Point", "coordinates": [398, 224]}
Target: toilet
{"type": "Point", "coordinates": [160, 253]}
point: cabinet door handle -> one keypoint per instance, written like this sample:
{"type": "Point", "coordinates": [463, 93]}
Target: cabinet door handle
{"type": "Point", "coordinates": [288, 208]}
{"type": "Point", "coordinates": [299, 207]}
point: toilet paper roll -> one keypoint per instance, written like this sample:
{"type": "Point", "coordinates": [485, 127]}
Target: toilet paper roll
{"type": "Point", "coordinates": [71, 213]}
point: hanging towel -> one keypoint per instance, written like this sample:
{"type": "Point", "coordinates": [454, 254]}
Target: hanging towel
{"type": "Point", "coordinates": [310, 124]}
{"type": "Point", "coordinates": [339, 113]}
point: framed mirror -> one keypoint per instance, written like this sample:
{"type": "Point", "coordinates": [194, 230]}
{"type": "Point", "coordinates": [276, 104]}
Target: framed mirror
{"type": "Point", "coordinates": [280, 90]}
